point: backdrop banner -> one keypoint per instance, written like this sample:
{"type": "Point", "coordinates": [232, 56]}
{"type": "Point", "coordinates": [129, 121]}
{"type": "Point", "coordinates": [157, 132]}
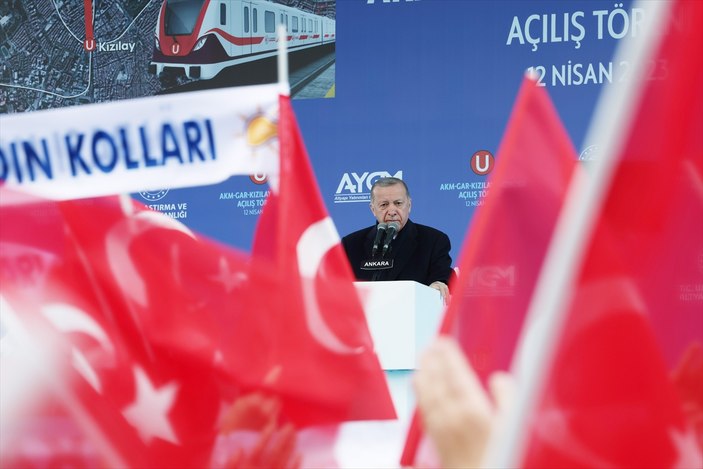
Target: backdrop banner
{"type": "Point", "coordinates": [420, 89]}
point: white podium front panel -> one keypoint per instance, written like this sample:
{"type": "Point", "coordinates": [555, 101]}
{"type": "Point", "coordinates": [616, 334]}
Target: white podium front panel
{"type": "Point", "coordinates": [403, 317]}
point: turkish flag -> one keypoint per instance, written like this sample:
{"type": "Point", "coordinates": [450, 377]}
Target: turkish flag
{"type": "Point", "coordinates": [135, 302]}
{"type": "Point", "coordinates": [625, 388]}
{"type": "Point", "coordinates": [508, 237]}
{"type": "Point", "coordinates": [316, 308]}
{"type": "Point", "coordinates": [162, 348]}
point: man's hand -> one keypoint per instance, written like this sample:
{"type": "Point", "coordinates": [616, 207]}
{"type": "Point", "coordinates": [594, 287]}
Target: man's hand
{"type": "Point", "coordinates": [443, 290]}
{"type": "Point", "coordinates": [457, 414]}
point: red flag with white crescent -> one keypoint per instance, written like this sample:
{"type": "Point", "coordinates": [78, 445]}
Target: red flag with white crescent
{"type": "Point", "coordinates": [315, 302]}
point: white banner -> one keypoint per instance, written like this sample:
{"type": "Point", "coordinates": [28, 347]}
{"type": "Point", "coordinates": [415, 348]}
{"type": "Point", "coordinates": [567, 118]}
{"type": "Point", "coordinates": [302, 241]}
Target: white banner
{"type": "Point", "coordinates": [160, 142]}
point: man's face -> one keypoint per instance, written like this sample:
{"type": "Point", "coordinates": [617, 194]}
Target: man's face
{"type": "Point", "coordinates": [391, 203]}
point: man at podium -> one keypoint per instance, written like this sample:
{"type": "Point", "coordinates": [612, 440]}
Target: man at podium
{"type": "Point", "coordinates": [395, 248]}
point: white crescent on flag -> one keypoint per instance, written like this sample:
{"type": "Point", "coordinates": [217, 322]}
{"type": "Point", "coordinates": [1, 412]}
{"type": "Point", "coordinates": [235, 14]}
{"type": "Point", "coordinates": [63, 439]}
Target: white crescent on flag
{"type": "Point", "coordinates": [312, 246]}
{"type": "Point", "coordinates": [121, 263]}
{"type": "Point", "coordinates": [69, 319]}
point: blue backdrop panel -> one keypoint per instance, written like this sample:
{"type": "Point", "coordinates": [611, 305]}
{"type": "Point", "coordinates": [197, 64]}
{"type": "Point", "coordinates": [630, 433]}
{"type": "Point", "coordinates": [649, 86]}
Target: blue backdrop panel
{"type": "Point", "coordinates": [421, 87]}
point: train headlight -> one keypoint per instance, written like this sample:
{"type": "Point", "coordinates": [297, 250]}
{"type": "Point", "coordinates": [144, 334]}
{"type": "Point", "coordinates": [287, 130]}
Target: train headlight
{"type": "Point", "coordinates": [200, 43]}
{"type": "Point", "coordinates": [156, 43]}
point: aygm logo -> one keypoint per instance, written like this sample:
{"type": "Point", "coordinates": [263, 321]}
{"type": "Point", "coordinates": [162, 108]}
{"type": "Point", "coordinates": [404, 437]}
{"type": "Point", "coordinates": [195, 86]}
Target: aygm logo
{"type": "Point", "coordinates": [355, 187]}
{"type": "Point", "coordinates": [492, 280]}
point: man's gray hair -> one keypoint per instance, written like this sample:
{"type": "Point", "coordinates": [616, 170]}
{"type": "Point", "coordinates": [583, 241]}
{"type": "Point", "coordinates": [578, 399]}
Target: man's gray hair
{"type": "Point", "coordinates": [389, 181]}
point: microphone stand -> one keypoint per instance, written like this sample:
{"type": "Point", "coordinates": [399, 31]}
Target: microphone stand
{"type": "Point", "coordinates": [378, 273]}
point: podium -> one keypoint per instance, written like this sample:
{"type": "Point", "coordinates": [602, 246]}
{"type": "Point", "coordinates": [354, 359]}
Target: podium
{"type": "Point", "coordinates": [403, 318]}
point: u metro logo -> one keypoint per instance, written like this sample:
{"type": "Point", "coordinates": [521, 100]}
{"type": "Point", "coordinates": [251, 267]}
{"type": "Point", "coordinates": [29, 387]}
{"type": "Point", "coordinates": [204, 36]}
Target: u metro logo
{"type": "Point", "coordinates": [482, 162]}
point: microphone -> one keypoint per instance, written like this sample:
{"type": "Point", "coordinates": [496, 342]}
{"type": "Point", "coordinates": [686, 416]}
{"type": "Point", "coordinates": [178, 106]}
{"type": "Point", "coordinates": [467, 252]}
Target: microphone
{"type": "Point", "coordinates": [380, 229]}
{"type": "Point", "coordinates": [391, 230]}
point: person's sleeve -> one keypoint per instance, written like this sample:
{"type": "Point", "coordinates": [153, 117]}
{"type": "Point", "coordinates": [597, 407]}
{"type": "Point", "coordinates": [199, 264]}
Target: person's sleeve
{"type": "Point", "coordinates": [441, 261]}
{"type": "Point", "coordinates": [345, 245]}
{"type": "Point", "coordinates": [347, 251]}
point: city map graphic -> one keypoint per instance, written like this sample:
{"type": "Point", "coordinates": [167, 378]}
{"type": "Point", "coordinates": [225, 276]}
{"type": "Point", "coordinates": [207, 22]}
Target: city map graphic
{"type": "Point", "coordinates": [46, 64]}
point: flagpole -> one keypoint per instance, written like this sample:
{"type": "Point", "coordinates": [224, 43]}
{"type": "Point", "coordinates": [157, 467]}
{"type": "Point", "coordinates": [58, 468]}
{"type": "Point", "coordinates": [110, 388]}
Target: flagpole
{"type": "Point", "coordinates": [283, 60]}
{"type": "Point", "coordinates": [283, 90]}
{"type": "Point", "coordinates": [553, 292]}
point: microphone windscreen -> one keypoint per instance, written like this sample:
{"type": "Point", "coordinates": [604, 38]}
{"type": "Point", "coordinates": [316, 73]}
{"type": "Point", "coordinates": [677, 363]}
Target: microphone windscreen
{"type": "Point", "coordinates": [380, 230]}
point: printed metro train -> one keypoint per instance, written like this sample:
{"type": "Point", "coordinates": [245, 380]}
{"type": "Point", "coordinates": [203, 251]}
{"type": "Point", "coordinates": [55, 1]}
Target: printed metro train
{"type": "Point", "coordinates": [203, 37]}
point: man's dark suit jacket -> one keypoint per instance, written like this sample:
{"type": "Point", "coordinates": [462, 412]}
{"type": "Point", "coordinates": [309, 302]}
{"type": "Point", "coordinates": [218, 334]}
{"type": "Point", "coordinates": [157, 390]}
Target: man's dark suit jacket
{"type": "Point", "coordinates": [419, 253]}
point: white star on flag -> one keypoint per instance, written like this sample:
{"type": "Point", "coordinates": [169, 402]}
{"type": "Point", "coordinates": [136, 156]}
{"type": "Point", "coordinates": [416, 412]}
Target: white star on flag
{"type": "Point", "coordinates": [148, 413]}
{"type": "Point", "coordinates": [228, 278]}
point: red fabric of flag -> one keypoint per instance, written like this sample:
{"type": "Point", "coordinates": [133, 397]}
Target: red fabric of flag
{"type": "Point", "coordinates": [311, 295]}
{"type": "Point", "coordinates": [626, 386]}
{"type": "Point", "coordinates": [508, 237]}
{"type": "Point", "coordinates": [175, 351]}
{"type": "Point", "coordinates": [138, 302]}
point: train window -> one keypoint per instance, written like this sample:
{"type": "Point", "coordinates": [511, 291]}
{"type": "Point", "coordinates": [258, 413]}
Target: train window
{"type": "Point", "coordinates": [255, 21]}
{"type": "Point", "coordinates": [180, 17]}
{"type": "Point", "coordinates": [302, 25]}
{"type": "Point", "coordinates": [310, 25]}
{"type": "Point", "coordinates": [295, 24]}
{"type": "Point", "coordinates": [269, 21]}
{"type": "Point", "coordinates": [223, 13]}
{"type": "Point", "coordinates": [246, 19]}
